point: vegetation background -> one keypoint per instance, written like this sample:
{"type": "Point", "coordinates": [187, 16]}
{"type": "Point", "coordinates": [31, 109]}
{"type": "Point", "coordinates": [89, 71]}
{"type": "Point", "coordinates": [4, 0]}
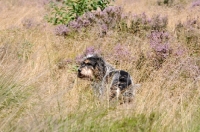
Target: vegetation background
{"type": "Point", "coordinates": [39, 89]}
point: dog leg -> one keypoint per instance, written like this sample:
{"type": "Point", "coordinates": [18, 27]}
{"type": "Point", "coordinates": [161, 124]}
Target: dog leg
{"type": "Point", "coordinates": [128, 94]}
{"type": "Point", "coordinates": [114, 93]}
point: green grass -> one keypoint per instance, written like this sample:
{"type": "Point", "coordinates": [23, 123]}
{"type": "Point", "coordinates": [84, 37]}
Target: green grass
{"type": "Point", "coordinates": [13, 102]}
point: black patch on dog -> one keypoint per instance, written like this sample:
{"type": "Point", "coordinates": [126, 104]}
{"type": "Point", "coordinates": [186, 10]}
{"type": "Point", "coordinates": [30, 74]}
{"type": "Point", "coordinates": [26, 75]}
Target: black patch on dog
{"type": "Point", "coordinates": [124, 80]}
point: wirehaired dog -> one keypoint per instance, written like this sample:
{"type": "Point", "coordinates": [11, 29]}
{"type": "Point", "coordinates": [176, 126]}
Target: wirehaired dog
{"type": "Point", "coordinates": [105, 78]}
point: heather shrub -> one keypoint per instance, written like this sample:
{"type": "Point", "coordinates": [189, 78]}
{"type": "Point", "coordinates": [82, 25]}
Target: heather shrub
{"type": "Point", "coordinates": [158, 23]}
{"type": "Point", "coordinates": [62, 30]}
{"type": "Point", "coordinates": [141, 24]}
{"type": "Point", "coordinates": [188, 34]}
{"type": "Point", "coordinates": [112, 18]}
{"type": "Point", "coordinates": [105, 20]}
{"type": "Point", "coordinates": [121, 53]}
{"type": "Point", "coordinates": [188, 69]}
{"type": "Point", "coordinates": [153, 59]}
{"type": "Point", "coordinates": [160, 45]}
{"type": "Point", "coordinates": [68, 10]}
{"type": "Point", "coordinates": [109, 17]}
{"type": "Point", "coordinates": [195, 3]}
{"type": "Point", "coordinates": [123, 23]}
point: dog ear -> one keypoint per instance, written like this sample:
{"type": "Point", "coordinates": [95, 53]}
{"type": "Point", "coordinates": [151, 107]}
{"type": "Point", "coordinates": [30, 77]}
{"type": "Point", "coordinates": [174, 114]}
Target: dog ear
{"type": "Point", "coordinates": [100, 62]}
{"type": "Point", "coordinates": [100, 66]}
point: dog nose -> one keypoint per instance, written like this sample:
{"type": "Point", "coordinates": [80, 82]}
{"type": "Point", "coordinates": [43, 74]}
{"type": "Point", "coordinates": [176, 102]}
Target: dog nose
{"type": "Point", "coordinates": [79, 70]}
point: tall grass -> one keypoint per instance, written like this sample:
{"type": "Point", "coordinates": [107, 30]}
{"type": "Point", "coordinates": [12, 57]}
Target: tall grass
{"type": "Point", "coordinates": [39, 89]}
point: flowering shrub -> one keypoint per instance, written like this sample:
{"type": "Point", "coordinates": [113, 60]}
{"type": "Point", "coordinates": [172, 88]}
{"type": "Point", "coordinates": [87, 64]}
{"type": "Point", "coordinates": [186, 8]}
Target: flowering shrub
{"type": "Point", "coordinates": [180, 51]}
{"type": "Point", "coordinates": [121, 53]}
{"type": "Point", "coordinates": [62, 30]}
{"type": "Point", "coordinates": [140, 24]}
{"type": "Point", "coordinates": [69, 10]}
{"type": "Point", "coordinates": [113, 18]}
{"type": "Point", "coordinates": [189, 68]}
{"type": "Point", "coordinates": [159, 43]}
{"type": "Point", "coordinates": [195, 3]}
{"type": "Point", "coordinates": [106, 19]}
{"type": "Point", "coordinates": [188, 34]}
{"type": "Point", "coordinates": [158, 22]}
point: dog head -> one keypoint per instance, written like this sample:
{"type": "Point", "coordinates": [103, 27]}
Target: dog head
{"type": "Point", "coordinates": [92, 68]}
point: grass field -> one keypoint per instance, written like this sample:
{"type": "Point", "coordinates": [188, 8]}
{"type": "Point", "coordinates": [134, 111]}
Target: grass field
{"type": "Point", "coordinates": [40, 91]}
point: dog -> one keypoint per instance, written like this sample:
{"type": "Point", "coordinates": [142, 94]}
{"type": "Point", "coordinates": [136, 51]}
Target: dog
{"type": "Point", "coordinates": [106, 79]}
